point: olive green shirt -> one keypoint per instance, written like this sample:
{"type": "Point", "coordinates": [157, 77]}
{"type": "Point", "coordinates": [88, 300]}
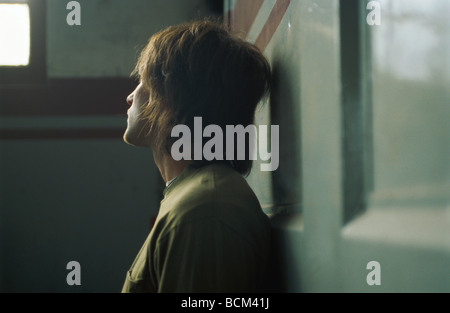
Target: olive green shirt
{"type": "Point", "coordinates": [210, 236]}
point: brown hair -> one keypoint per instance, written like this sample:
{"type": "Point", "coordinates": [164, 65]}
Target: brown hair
{"type": "Point", "coordinates": [200, 69]}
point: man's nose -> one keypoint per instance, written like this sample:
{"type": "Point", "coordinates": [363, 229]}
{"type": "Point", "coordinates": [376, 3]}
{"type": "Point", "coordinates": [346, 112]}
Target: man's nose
{"type": "Point", "coordinates": [130, 98]}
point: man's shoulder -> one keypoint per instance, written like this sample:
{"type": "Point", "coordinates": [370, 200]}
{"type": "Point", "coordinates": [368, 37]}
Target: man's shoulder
{"type": "Point", "coordinates": [214, 191]}
{"type": "Point", "coordinates": [212, 183]}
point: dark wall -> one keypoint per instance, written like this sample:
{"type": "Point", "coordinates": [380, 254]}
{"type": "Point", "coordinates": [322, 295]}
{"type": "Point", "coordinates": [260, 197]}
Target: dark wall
{"type": "Point", "coordinates": [70, 188]}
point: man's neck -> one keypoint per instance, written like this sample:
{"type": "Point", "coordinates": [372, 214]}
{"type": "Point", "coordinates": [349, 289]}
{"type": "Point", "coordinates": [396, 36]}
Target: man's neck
{"type": "Point", "coordinates": [168, 167]}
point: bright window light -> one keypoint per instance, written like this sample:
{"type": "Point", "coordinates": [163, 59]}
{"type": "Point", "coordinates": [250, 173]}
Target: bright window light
{"type": "Point", "coordinates": [14, 34]}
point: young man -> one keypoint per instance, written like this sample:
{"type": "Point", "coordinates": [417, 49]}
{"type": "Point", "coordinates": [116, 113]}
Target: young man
{"type": "Point", "coordinates": [210, 234]}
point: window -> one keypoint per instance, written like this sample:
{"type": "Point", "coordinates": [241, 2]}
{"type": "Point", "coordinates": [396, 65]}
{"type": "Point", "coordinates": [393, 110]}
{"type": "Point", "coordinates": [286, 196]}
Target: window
{"type": "Point", "coordinates": [410, 105]}
{"type": "Point", "coordinates": [14, 34]}
{"type": "Point", "coordinates": [22, 42]}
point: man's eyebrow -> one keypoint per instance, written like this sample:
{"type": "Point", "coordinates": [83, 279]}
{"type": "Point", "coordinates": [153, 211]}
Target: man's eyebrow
{"type": "Point", "coordinates": [136, 78]}
{"type": "Point", "coordinates": [135, 75]}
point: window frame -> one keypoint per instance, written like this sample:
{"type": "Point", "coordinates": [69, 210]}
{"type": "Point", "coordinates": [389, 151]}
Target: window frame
{"type": "Point", "coordinates": [355, 106]}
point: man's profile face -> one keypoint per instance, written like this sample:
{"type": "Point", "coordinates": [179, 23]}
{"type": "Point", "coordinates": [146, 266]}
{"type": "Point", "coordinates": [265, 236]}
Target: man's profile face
{"type": "Point", "coordinates": [135, 133]}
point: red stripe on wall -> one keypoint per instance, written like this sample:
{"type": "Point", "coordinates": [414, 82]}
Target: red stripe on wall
{"type": "Point", "coordinates": [67, 97]}
{"type": "Point", "coordinates": [271, 25]}
{"type": "Point", "coordinates": [61, 134]}
{"type": "Point", "coordinates": [243, 16]}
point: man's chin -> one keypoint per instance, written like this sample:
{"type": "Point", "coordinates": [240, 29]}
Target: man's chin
{"type": "Point", "coordinates": [128, 140]}
{"type": "Point", "coordinates": [133, 141]}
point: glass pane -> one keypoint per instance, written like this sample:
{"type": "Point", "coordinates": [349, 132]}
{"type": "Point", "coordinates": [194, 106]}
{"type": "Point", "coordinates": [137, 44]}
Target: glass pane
{"type": "Point", "coordinates": [14, 34]}
{"type": "Point", "coordinates": [411, 111]}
